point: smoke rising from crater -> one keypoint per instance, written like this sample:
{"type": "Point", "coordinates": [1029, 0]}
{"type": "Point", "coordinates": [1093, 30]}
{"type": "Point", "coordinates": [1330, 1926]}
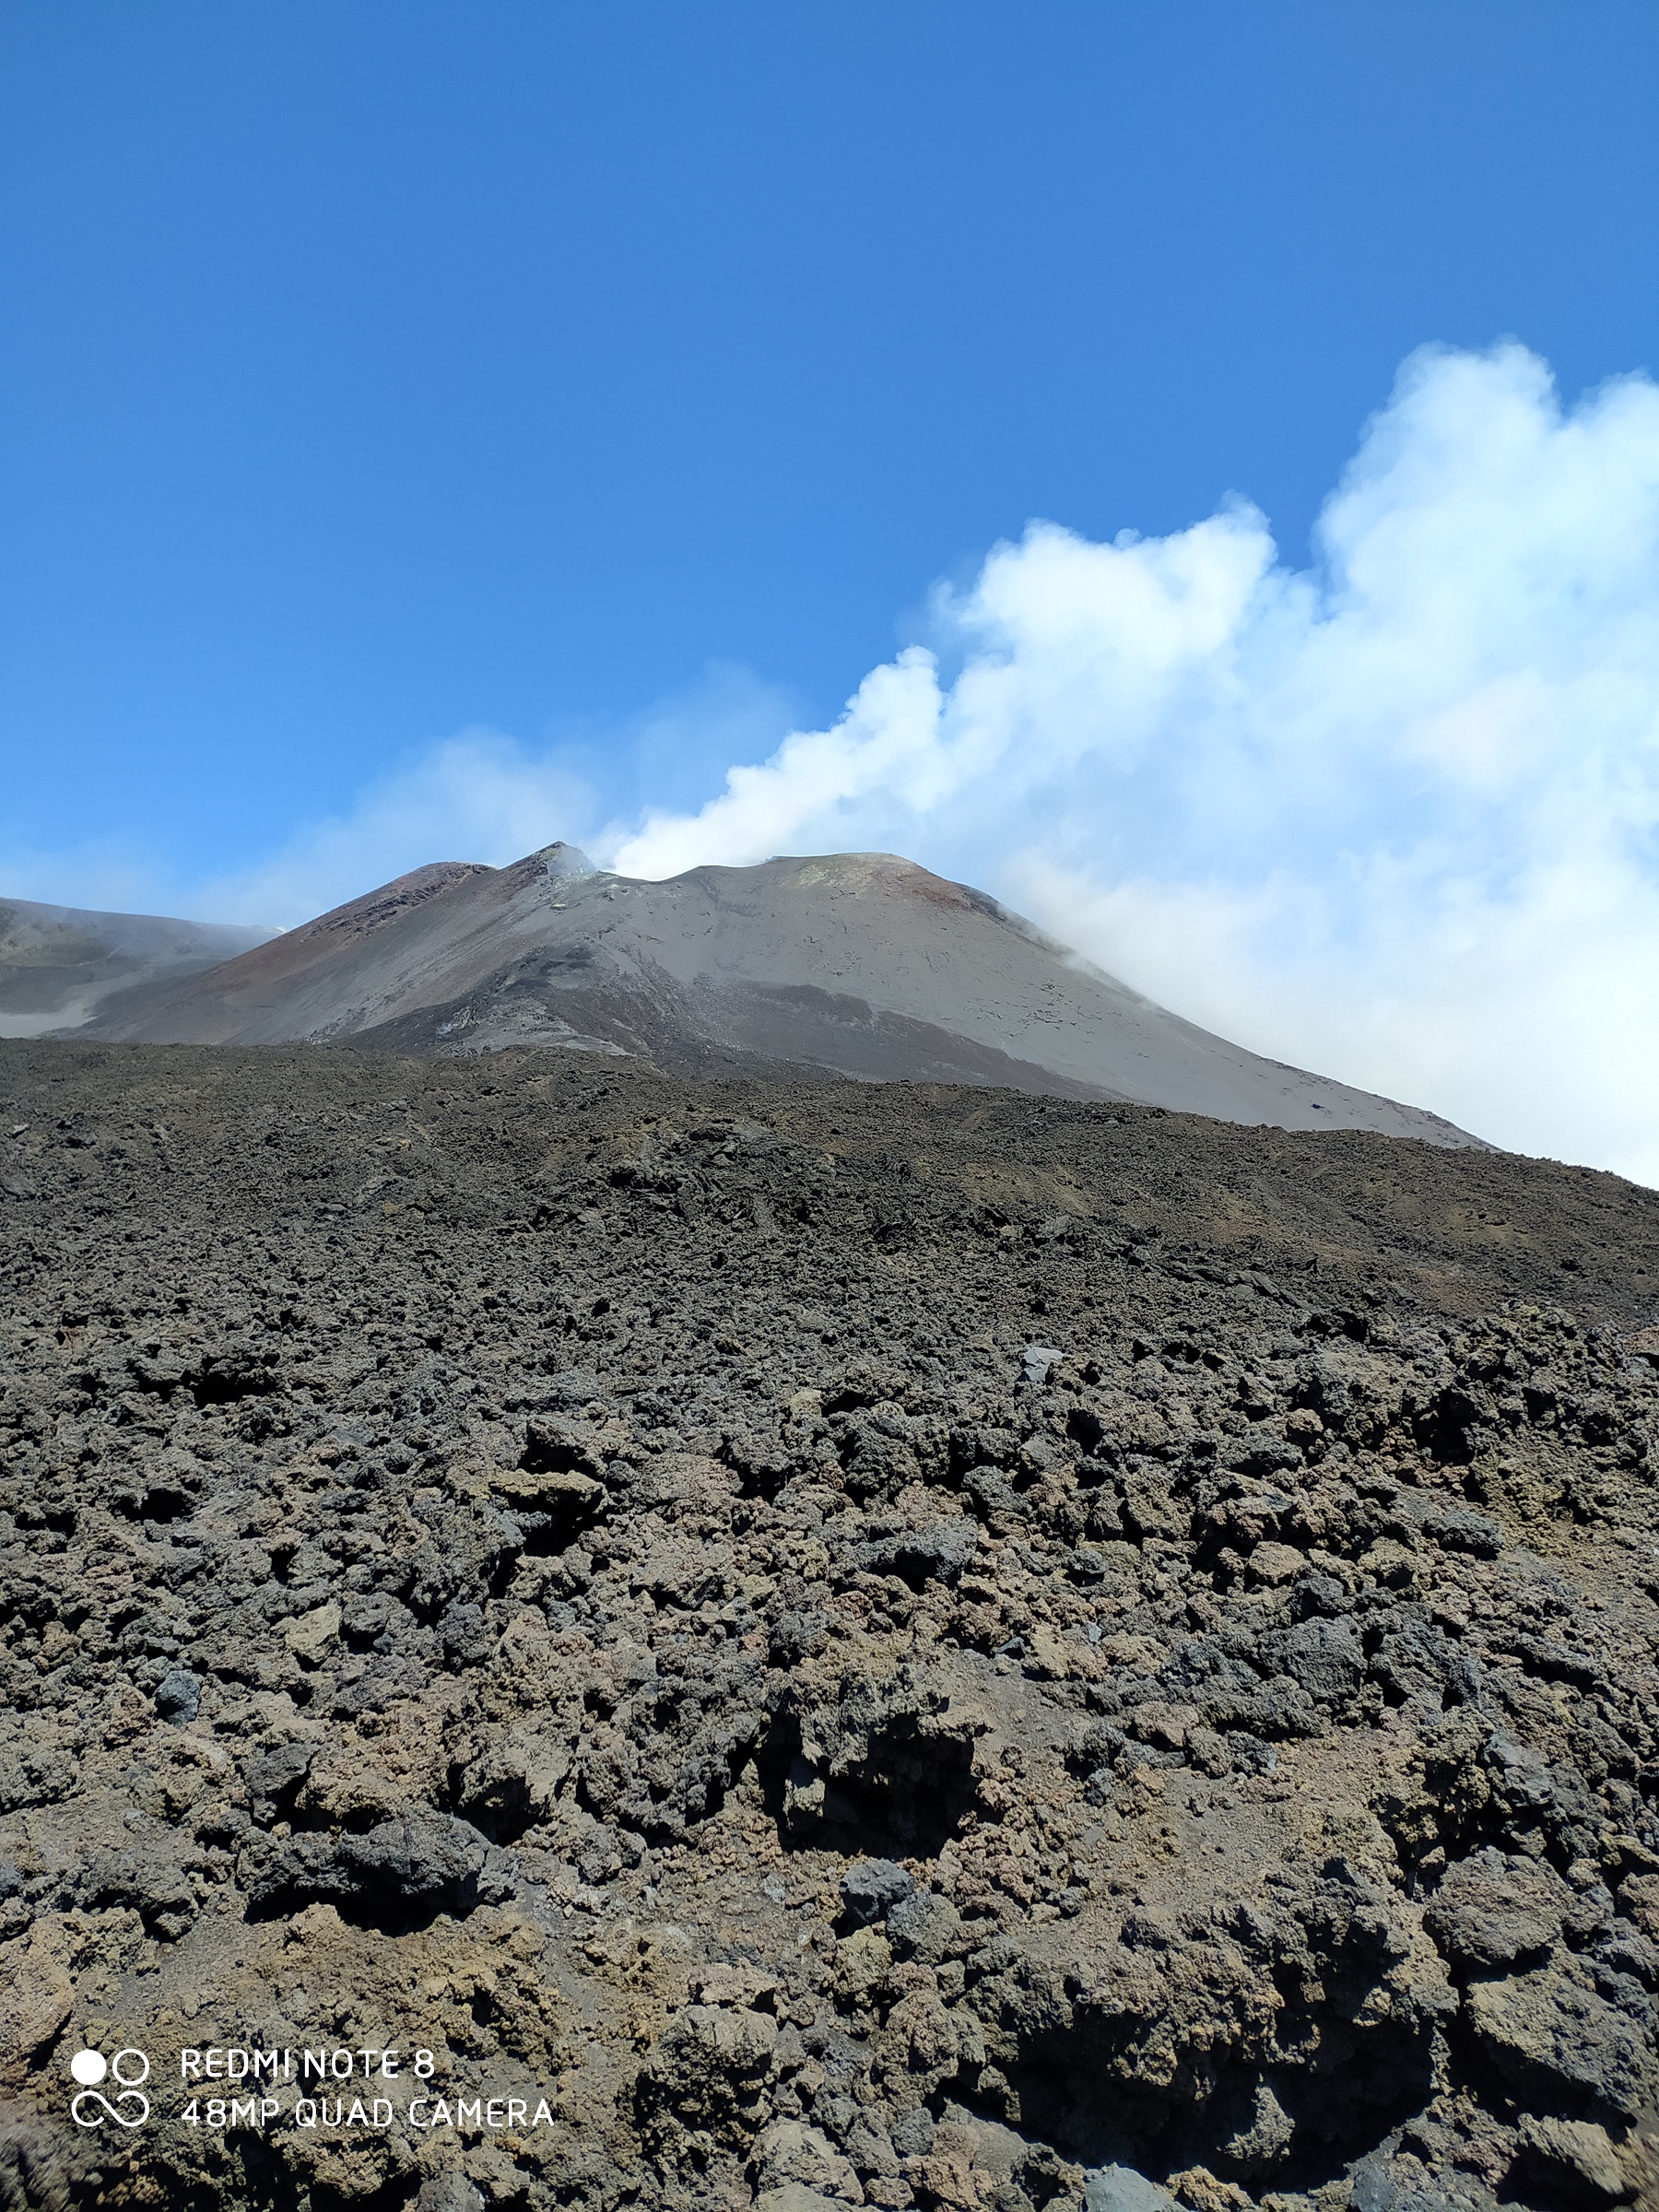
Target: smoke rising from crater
{"type": "Point", "coordinates": [1392, 816]}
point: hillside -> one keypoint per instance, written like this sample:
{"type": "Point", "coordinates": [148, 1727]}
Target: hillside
{"type": "Point", "coordinates": [851, 964]}
{"type": "Point", "coordinates": [58, 964]}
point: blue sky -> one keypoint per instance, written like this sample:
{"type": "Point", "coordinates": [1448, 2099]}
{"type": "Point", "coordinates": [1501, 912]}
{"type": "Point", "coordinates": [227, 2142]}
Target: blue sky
{"type": "Point", "coordinates": [561, 403]}
{"type": "Point", "coordinates": [374, 370]}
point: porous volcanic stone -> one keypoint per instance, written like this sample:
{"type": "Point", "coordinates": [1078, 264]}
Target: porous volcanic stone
{"type": "Point", "coordinates": [578, 1579]}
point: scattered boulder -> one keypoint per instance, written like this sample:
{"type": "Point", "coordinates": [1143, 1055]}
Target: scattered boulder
{"type": "Point", "coordinates": [870, 1890]}
{"type": "Point", "coordinates": [178, 1696]}
{"type": "Point", "coordinates": [1573, 2158]}
{"type": "Point", "coordinates": [399, 1875]}
{"type": "Point", "coordinates": [1559, 2047]}
{"type": "Point", "coordinates": [709, 2071]}
{"type": "Point", "coordinates": [1490, 1913]}
{"type": "Point", "coordinates": [1121, 2189]}
{"type": "Point", "coordinates": [312, 1636]}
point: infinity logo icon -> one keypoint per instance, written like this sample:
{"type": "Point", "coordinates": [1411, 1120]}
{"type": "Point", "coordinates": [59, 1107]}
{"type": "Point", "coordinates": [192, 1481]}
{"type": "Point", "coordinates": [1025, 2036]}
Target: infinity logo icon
{"type": "Point", "coordinates": [130, 2109]}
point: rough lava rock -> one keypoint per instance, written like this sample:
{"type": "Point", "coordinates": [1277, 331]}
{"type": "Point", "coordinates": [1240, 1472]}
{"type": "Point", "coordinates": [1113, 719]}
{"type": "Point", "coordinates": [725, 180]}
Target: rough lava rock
{"type": "Point", "coordinates": [808, 1644]}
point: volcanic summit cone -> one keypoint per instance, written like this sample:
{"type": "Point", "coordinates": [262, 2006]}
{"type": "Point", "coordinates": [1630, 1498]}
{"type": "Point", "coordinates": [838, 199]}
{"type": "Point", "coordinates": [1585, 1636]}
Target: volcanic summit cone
{"type": "Point", "coordinates": [850, 964]}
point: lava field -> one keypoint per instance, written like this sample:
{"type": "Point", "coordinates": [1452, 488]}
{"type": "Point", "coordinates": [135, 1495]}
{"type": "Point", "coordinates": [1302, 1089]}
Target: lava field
{"type": "Point", "coordinates": [709, 1643]}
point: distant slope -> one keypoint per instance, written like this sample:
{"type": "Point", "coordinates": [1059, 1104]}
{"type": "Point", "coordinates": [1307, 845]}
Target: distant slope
{"type": "Point", "coordinates": [59, 963]}
{"type": "Point", "coordinates": [854, 964]}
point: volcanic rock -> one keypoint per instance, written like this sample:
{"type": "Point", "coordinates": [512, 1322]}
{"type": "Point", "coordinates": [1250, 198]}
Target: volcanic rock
{"type": "Point", "coordinates": [568, 1571]}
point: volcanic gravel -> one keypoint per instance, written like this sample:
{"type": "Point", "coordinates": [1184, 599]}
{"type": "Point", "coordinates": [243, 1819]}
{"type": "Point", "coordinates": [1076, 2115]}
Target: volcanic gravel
{"type": "Point", "coordinates": [814, 1645]}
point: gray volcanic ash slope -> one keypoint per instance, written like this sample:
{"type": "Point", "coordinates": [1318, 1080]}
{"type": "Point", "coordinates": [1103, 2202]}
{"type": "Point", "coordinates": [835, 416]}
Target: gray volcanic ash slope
{"type": "Point", "coordinates": [59, 963]}
{"type": "Point", "coordinates": [842, 1644]}
{"type": "Point", "coordinates": [854, 964]}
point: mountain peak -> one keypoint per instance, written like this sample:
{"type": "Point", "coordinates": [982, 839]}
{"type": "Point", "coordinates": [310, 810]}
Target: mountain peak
{"type": "Point", "coordinates": [858, 964]}
{"type": "Point", "coordinates": [560, 861]}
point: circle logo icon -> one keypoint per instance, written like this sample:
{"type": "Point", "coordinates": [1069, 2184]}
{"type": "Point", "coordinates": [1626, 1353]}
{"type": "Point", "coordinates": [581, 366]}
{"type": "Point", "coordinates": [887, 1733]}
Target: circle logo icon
{"type": "Point", "coordinates": [130, 2108]}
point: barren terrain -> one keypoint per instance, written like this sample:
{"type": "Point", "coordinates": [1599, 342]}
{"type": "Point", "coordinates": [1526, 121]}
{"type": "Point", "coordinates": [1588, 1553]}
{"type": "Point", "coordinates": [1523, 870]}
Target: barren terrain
{"type": "Point", "coordinates": [814, 1644]}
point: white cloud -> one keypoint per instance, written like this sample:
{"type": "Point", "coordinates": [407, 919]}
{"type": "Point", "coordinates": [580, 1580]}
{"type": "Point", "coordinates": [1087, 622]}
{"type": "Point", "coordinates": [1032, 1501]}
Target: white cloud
{"type": "Point", "coordinates": [1396, 817]}
{"type": "Point", "coordinates": [485, 796]}
{"type": "Point", "coordinates": [477, 796]}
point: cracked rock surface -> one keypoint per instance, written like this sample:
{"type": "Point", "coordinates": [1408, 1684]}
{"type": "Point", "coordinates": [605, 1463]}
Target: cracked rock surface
{"type": "Point", "coordinates": [902, 1646]}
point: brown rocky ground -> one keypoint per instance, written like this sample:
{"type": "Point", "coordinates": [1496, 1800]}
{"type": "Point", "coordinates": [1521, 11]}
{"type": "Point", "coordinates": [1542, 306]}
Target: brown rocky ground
{"type": "Point", "coordinates": [816, 1645]}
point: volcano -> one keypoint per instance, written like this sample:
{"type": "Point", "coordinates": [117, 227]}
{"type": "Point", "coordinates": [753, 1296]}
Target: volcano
{"type": "Point", "coordinates": [59, 963]}
{"type": "Point", "coordinates": [855, 964]}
